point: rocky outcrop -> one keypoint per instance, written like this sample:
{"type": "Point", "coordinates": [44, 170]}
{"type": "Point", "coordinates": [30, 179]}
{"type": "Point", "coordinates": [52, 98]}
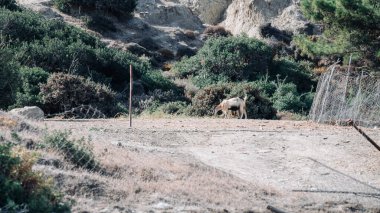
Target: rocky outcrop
{"type": "Point", "coordinates": [167, 13]}
{"type": "Point", "coordinates": [162, 28]}
{"type": "Point", "coordinates": [29, 112]}
{"type": "Point", "coordinates": [208, 11]}
{"type": "Point", "coordinates": [246, 16]}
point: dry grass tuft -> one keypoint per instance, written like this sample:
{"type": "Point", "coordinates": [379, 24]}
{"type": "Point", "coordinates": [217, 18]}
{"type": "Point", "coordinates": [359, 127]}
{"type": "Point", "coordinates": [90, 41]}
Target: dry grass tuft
{"type": "Point", "coordinates": [7, 122]}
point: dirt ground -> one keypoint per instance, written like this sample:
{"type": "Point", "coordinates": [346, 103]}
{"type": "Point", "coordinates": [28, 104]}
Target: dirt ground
{"type": "Point", "coordinates": [197, 165]}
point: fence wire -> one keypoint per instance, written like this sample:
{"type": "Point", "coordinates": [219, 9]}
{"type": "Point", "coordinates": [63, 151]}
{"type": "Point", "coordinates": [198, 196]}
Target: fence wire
{"type": "Point", "coordinates": [344, 94]}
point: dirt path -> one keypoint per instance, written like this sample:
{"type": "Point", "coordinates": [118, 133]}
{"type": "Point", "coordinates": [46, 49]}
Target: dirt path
{"type": "Point", "coordinates": [308, 167]}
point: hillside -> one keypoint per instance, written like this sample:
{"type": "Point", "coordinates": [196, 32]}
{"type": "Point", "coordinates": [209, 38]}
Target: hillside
{"type": "Point", "coordinates": [166, 23]}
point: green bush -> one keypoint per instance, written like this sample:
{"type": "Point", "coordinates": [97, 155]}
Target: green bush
{"type": "Point", "coordinates": [99, 23]}
{"type": "Point", "coordinates": [173, 108]}
{"type": "Point", "coordinates": [287, 98]}
{"type": "Point", "coordinates": [65, 91]}
{"type": "Point", "coordinates": [22, 188]}
{"type": "Point", "coordinates": [155, 80]}
{"type": "Point", "coordinates": [9, 4]}
{"type": "Point", "coordinates": [229, 58]}
{"type": "Point", "coordinates": [76, 152]}
{"type": "Point", "coordinates": [9, 78]}
{"type": "Point", "coordinates": [31, 79]}
{"type": "Point", "coordinates": [57, 47]}
{"type": "Point", "coordinates": [115, 7]}
{"type": "Point", "coordinates": [27, 26]}
{"type": "Point", "coordinates": [293, 72]}
{"type": "Point", "coordinates": [206, 99]}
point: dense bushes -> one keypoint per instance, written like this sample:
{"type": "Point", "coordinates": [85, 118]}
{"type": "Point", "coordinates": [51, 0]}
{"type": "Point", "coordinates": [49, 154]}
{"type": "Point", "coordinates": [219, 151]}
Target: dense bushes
{"type": "Point", "coordinates": [22, 189]}
{"type": "Point", "coordinates": [236, 59]}
{"type": "Point", "coordinates": [9, 4]}
{"type": "Point", "coordinates": [293, 72]}
{"type": "Point", "coordinates": [114, 7]}
{"type": "Point", "coordinates": [65, 91]}
{"type": "Point", "coordinates": [55, 46]}
{"type": "Point", "coordinates": [206, 99]}
{"type": "Point", "coordinates": [43, 47]}
{"type": "Point", "coordinates": [9, 78]}
{"type": "Point", "coordinates": [29, 94]}
{"type": "Point", "coordinates": [226, 59]}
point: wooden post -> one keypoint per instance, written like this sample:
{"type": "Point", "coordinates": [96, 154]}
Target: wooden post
{"type": "Point", "coordinates": [352, 123]}
{"type": "Point", "coordinates": [130, 95]}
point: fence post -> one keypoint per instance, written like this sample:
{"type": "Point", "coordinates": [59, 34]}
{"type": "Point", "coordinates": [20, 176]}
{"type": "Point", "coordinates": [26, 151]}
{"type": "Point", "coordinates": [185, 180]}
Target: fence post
{"type": "Point", "coordinates": [130, 95]}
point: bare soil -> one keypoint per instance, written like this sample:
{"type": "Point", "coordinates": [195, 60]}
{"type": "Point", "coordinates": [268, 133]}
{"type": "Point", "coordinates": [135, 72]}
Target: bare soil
{"type": "Point", "coordinates": [211, 165]}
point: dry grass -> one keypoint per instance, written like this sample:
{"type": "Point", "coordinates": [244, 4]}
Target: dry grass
{"type": "Point", "coordinates": [138, 179]}
{"type": "Point", "coordinates": [145, 178]}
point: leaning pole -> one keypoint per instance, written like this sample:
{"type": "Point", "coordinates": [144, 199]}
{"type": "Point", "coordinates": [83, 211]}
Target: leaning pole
{"type": "Point", "coordinates": [130, 95]}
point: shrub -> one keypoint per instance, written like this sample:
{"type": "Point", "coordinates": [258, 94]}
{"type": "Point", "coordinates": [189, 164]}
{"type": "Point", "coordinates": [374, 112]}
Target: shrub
{"type": "Point", "coordinates": [230, 58]}
{"type": "Point", "coordinates": [115, 7]}
{"type": "Point", "coordinates": [55, 46]}
{"type": "Point", "coordinates": [27, 26]}
{"type": "Point", "coordinates": [185, 51]}
{"type": "Point", "coordinates": [177, 107]}
{"type": "Point", "coordinates": [22, 188]}
{"type": "Point", "coordinates": [76, 152]}
{"type": "Point", "coordinates": [286, 98]}
{"type": "Point", "coordinates": [99, 23]}
{"type": "Point", "coordinates": [9, 78]}
{"type": "Point", "coordinates": [293, 72]}
{"type": "Point", "coordinates": [206, 99]}
{"type": "Point", "coordinates": [65, 91]}
{"type": "Point", "coordinates": [31, 79]}
{"type": "Point", "coordinates": [217, 31]}
{"type": "Point", "coordinates": [155, 80]}
{"type": "Point", "coordinates": [9, 4]}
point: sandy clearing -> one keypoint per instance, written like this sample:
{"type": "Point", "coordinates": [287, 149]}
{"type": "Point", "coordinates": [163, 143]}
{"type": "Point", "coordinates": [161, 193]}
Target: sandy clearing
{"type": "Point", "coordinates": [279, 156]}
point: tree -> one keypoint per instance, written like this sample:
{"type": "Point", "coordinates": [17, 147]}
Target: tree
{"type": "Point", "coordinates": [350, 27]}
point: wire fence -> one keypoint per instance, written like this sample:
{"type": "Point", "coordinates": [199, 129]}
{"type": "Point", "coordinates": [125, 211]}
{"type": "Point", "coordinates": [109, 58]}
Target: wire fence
{"type": "Point", "coordinates": [344, 94]}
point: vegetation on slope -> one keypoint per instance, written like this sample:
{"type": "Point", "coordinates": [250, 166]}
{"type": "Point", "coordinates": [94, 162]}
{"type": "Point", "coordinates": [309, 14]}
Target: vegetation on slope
{"type": "Point", "coordinates": [32, 48]}
{"type": "Point", "coordinates": [22, 189]}
{"type": "Point", "coordinates": [349, 27]}
{"type": "Point", "coordinates": [247, 66]}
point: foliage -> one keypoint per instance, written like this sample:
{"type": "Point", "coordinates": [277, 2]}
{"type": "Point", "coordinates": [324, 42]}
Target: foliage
{"type": "Point", "coordinates": [75, 151]}
{"type": "Point", "coordinates": [22, 188]}
{"type": "Point", "coordinates": [55, 46]}
{"type": "Point", "coordinates": [29, 94]}
{"type": "Point", "coordinates": [292, 72]}
{"type": "Point", "coordinates": [9, 78]}
{"type": "Point", "coordinates": [287, 98]}
{"type": "Point", "coordinates": [177, 107]}
{"type": "Point", "coordinates": [115, 7]}
{"type": "Point", "coordinates": [65, 91]}
{"type": "Point", "coordinates": [18, 27]}
{"type": "Point", "coordinates": [155, 80]}
{"type": "Point", "coordinates": [206, 99]}
{"type": "Point", "coordinates": [226, 59]}
{"type": "Point", "coordinates": [99, 23]}
{"type": "Point", "coordinates": [34, 41]}
{"type": "Point", "coordinates": [9, 4]}
{"type": "Point", "coordinates": [350, 26]}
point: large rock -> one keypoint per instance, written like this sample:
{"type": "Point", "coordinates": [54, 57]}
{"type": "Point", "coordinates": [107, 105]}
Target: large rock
{"type": "Point", "coordinates": [246, 16]}
{"type": "Point", "coordinates": [29, 112]}
{"type": "Point", "coordinates": [167, 14]}
{"type": "Point", "coordinates": [209, 11]}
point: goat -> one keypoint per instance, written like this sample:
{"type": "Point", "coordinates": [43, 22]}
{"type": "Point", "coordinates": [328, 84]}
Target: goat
{"type": "Point", "coordinates": [233, 104]}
